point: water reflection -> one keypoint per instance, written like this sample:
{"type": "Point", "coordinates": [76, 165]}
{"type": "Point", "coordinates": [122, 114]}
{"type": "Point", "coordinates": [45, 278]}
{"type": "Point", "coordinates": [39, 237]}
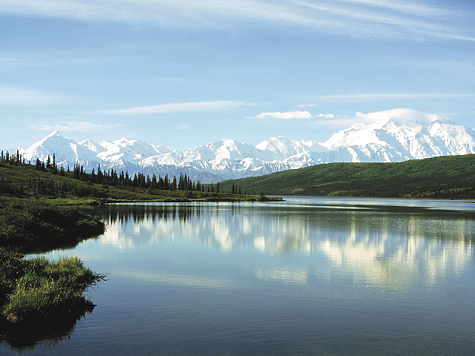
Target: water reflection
{"type": "Point", "coordinates": [391, 248]}
{"type": "Point", "coordinates": [178, 279]}
{"type": "Point", "coordinates": [318, 277]}
{"type": "Point", "coordinates": [30, 338]}
{"type": "Point", "coordinates": [284, 275]}
{"type": "Point", "coordinates": [400, 249]}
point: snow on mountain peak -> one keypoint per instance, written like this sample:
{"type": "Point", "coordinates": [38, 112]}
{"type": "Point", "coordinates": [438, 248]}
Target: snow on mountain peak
{"type": "Point", "coordinates": [384, 136]}
{"type": "Point", "coordinates": [380, 127]}
{"type": "Point", "coordinates": [91, 145]}
{"type": "Point", "coordinates": [54, 133]}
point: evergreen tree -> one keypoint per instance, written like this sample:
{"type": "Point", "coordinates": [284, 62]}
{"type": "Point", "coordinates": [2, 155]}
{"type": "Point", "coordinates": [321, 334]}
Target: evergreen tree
{"type": "Point", "coordinates": [38, 164]}
{"type": "Point", "coordinates": [154, 182]}
{"type": "Point", "coordinates": [99, 174]}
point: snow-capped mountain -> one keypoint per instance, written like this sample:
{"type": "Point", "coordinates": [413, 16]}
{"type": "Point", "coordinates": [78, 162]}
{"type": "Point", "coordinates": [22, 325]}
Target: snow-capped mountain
{"type": "Point", "coordinates": [391, 136]}
{"type": "Point", "coordinates": [399, 135]}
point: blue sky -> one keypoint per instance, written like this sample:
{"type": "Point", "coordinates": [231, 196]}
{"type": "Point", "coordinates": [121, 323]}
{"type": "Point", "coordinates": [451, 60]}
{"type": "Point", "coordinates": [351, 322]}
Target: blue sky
{"type": "Point", "coordinates": [185, 73]}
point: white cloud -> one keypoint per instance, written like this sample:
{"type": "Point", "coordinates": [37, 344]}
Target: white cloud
{"type": "Point", "coordinates": [17, 96]}
{"type": "Point", "coordinates": [178, 107]}
{"type": "Point", "coordinates": [326, 116]}
{"type": "Point", "coordinates": [374, 117]}
{"type": "Point", "coordinates": [76, 126]}
{"type": "Point", "coordinates": [289, 115]}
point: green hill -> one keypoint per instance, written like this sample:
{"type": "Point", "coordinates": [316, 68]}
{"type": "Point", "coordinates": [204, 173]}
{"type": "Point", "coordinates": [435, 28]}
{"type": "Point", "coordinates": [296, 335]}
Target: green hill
{"type": "Point", "coordinates": [22, 180]}
{"type": "Point", "coordinates": [449, 177]}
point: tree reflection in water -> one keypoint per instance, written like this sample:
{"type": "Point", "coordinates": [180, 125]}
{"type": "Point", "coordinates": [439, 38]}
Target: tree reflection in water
{"type": "Point", "coordinates": [32, 337]}
{"type": "Point", "coordinates": [365, 241]}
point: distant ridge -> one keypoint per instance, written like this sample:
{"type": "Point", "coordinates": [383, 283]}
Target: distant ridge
{"type": "Point", "coordinates": [448, 177]}
{"type": "Point", "coordinates": [393, 136]}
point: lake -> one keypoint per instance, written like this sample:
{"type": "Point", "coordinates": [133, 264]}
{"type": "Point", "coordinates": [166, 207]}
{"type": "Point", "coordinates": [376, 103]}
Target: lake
{"type": "Point", "coordinates": [307, 276]}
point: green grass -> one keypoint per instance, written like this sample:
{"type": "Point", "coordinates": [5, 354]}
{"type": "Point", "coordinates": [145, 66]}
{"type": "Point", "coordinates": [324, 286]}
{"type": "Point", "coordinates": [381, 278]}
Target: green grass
{"type": "Point", "coordinates": [39, 297]}
{"type": "Point", "coordinates": [30, 226]}
{"type": "Point", "coordinates": [45, 290]}
{"type": "Point", "coordinates": [36, 294]}
{"type": "Point", "coordinates": [449, 177]}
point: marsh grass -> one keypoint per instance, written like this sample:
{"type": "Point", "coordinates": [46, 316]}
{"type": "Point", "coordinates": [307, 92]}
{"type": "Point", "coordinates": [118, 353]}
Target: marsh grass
{"type": "Point", "coordinates": [42, 296]}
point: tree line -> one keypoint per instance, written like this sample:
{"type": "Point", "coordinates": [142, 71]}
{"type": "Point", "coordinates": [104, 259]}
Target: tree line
{"type": "Point", "coordinates": [110, 177]}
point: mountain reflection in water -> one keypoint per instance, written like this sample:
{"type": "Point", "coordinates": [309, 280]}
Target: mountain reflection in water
{"type": "Point", "coordinates": [308, 276]}
{"type": "Point", "coordinates": [390, 247]}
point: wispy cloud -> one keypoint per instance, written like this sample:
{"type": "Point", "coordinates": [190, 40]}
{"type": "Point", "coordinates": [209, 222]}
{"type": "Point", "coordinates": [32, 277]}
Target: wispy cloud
{"type": "Point", "coordinates": [289, 115]}
{"type": "Point", "coordinates": [403, 6]}
{"type": "Point", "coordinates": [396, 96]}
{"type": "Point", "coordinates": [7, 60]}
{"type": "Point", "coordinates": [370, 21]}
{"type": "Point", "coordinates": [75, 126]}
{"type": "Point", "coordinates": [18, 96]}
{"type": "Point", "coordinates": [326, 116]}
{"type": "Point", "coordinates": [369, 18]}
{"type": "Point", "coordinates": [51, 62]}
{"type": "Point", "coordinates": [183, 127]}
{"type": "Point", "coordinates": [301, 106]}
{"type": "Point", "coordinates": [178, 107]}
{"type": "Point", "coordinates": [345, 121]}
{"type": "Point", "coordinates": [161, 12]}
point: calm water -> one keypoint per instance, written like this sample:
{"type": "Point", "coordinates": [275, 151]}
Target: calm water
{"type": "Point", "coordinates": [309, 276]}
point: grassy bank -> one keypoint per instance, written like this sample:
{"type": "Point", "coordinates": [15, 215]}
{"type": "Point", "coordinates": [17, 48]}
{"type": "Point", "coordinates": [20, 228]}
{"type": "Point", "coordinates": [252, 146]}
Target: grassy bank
{"type": "Point", "coordinates": [30, 226]}
{"type": "Point", "coordinates": [38, 297]}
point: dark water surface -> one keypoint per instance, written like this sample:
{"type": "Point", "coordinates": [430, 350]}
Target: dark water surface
{"type": "Point", "coordinates": [309, 276]}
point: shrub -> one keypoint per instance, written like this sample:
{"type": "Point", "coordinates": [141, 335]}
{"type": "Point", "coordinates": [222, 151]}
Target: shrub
{"type": "Point", "coordinates": [46, 291]}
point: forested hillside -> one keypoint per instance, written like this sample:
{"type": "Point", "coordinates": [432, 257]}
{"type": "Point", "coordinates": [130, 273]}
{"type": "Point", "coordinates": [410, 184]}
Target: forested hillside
{"type": "Point", "coordinates": [45, 180]}
{"type": "Point", "coordinates": [448, 177]}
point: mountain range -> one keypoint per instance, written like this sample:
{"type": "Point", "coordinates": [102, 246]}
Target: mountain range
{"type": "Point", "coordinates": [394, 136]}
